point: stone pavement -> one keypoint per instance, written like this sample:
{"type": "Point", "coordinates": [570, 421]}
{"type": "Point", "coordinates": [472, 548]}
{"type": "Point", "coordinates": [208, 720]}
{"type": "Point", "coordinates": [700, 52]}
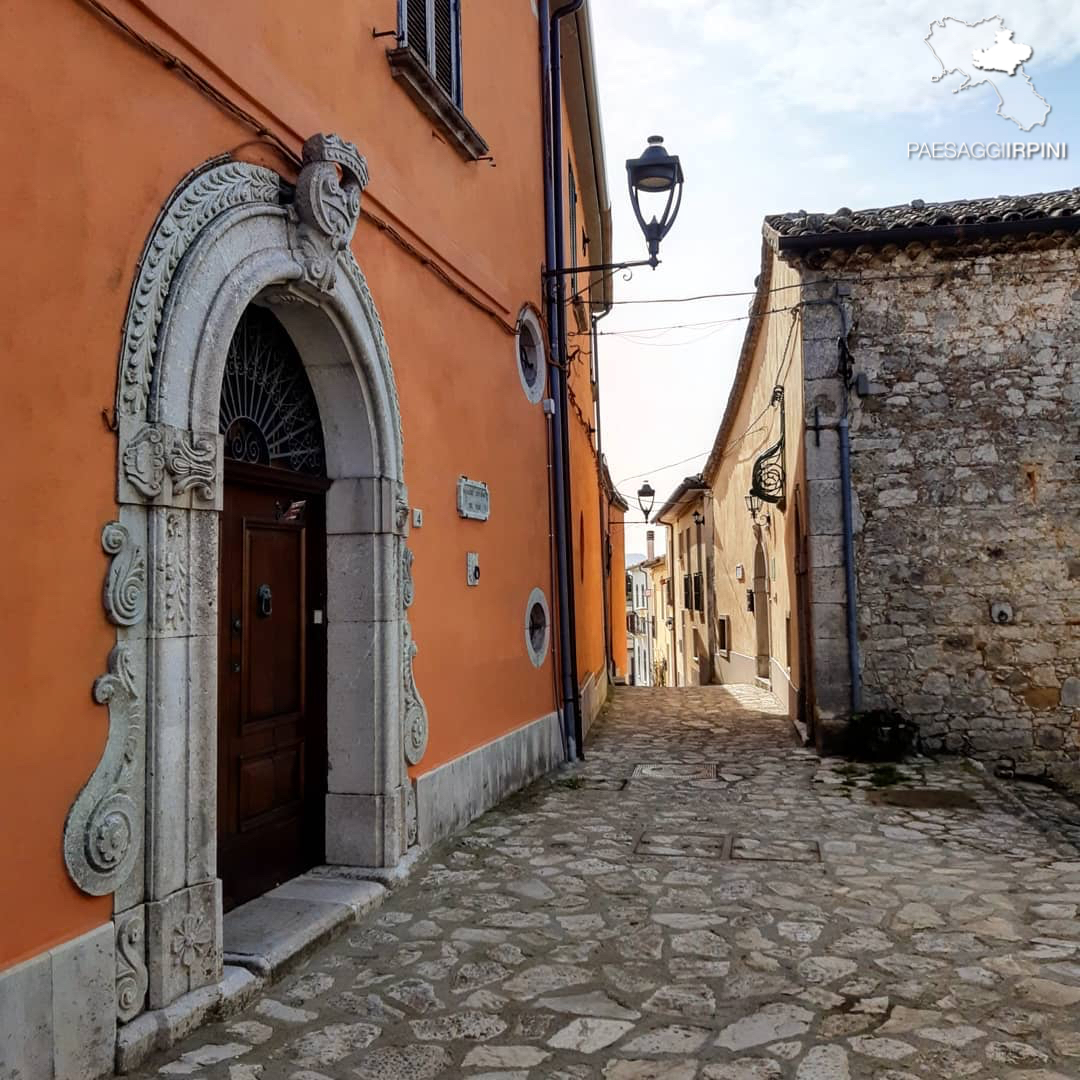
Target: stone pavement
{"type": "Point", "coordinates": [740, 910]}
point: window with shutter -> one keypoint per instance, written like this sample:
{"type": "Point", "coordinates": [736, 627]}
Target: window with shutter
{"type": "Point", "coordinates": [432, 30]}
{"type": "Point", "coordinates": [445, 61]}
{"type": "Point", "coordinates": [416, 35]}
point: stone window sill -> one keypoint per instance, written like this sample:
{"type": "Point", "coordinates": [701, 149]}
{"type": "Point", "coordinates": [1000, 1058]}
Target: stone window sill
{"type": "Point", "coordinates": [412, 73]}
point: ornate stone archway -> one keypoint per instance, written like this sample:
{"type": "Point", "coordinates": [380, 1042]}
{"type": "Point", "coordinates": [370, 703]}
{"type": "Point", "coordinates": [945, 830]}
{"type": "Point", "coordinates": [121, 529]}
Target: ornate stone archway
{"type": "Point", "coordinates": [144, 826]}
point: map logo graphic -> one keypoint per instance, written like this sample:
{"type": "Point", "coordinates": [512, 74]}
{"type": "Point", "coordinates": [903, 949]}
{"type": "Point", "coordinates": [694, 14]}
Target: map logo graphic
{"type": "Point", "coordinates": [984, 53]}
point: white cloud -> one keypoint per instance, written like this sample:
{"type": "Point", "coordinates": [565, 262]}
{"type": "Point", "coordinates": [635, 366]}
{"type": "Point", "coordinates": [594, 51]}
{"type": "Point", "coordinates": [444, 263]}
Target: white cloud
{"type": "Point", "coordinates": [773, 106]}
{"type": "Point", "coordinates": [831, 56]}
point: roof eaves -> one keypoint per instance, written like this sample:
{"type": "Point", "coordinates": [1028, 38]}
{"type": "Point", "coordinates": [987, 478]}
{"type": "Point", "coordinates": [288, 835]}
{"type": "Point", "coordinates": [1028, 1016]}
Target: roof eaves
{"type": "Point", "coordinates": [959, 219]}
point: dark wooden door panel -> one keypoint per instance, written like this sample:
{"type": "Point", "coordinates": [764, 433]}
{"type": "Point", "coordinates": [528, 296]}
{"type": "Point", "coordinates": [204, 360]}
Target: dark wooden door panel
{"type": "Point", "coordinates": [274, 624]}
{"type": "Point", "coordinates": [272, 717]}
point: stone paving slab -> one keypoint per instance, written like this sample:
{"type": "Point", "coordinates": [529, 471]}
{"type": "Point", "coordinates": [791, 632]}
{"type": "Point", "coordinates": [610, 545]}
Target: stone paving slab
{"type": "Point", "coordinates": [935, 935]}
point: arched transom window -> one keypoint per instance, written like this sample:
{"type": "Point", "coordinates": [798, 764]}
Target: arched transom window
{"type": "Point", "coordinates": [268, 410]}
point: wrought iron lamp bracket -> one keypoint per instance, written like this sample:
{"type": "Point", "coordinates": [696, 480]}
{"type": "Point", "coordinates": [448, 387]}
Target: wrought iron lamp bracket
{"type": "Point", "coordinates": [769, 475]}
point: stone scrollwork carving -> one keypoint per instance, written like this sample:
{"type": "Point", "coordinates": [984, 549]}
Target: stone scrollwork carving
{"type": "Point", "coordinates": [163, 463]}
{"type": "Point", "coordinates": [401, 511]}
{"type": "Point", "coordinates": [131, 975]}
{"type": "Point", "coordinates": [125, 585]}
{"type": "Point", "coordinates": [219, 188]}
{"type": "Point", "coordinates": [144, 462]}
{"type": "Point", "coordinates": [171, 611]}
{"type": "Point", "coordinates": [327, 205]}
{"type": "Point", "coordinates": [356, 277]}
{"type": "Point", "coordinates": [103, 833]}
{"type": "Point", "coordinates": [193, 464]}
{"type": "Point", "coordinates": [408, 590]}
{"type": "Point", "coordinates": [416, 720]}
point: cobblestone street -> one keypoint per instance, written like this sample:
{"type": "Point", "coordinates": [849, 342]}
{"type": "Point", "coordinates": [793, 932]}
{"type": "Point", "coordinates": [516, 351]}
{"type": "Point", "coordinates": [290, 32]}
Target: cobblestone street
{"type": "Point", "coordinates": [705, 899]}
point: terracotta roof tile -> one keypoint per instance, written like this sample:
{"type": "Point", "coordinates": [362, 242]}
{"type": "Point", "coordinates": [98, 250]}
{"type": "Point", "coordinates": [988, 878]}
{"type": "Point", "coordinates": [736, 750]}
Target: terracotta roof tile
{"type": "Point", "coordinates": [917, 213]}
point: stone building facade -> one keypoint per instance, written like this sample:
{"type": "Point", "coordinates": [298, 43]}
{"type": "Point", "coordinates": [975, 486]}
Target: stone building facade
{"type": "Point", "coordinates": [924, 542]}
{"type": "Point", "coordinates": [964, 406]}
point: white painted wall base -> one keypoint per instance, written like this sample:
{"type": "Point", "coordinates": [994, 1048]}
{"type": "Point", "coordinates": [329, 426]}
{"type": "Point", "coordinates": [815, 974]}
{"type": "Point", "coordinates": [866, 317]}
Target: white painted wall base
{"type": "Point", "coordinates": [449, 797]}
{"type": "Point", "coordinates": [735, 667]}
{"type": "Point", "coordinates": [783, 687]}
{"type": "Point", "coordinates": [58, 1011]}
{"type": "Point", "coordinates": [593, 697]}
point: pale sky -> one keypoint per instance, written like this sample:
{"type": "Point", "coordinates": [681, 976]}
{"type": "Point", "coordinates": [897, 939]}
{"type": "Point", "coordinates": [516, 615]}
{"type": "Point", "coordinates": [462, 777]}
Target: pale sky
{"type": "Point", "coordinates": [774, 106]}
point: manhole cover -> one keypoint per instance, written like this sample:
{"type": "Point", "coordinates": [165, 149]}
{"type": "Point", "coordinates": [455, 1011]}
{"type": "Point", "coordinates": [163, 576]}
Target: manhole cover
{"type": "Point", "coordinates": [682, 845]}
{"type": "Point", "coordinates": [769, 849]}
{"type": "Point", "coordinates": [674, 772]}
{"type": "Point", "coordinates": [924, 799]}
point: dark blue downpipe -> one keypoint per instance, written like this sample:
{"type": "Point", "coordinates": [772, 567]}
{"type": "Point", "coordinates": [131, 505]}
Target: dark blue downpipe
{"type": "Point", "coordinates": [555, 242]}
{"type": "Point", "coordinates": [854, 659]}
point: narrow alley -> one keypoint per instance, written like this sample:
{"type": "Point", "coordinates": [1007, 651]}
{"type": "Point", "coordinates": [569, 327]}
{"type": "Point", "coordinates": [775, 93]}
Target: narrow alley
{"type": "Point", "coordinates": [701, 898]}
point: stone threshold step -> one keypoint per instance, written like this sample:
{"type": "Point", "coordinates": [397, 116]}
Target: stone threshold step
{"type": "Point", "coordinates": [264, 939]}
{"type": "Point", "coordinates": [276, 931]}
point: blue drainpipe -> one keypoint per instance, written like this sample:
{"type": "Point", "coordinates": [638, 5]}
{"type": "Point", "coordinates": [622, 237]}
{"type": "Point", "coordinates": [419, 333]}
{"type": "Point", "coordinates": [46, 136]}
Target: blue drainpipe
{"type": "Point", "coordinates": [551, 105]}
{"type": "Point", "coordinates": [854, 658]}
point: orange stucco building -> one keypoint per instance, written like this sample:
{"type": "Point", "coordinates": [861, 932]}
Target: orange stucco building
{"type": "Point", "coordinates": [277, 390]}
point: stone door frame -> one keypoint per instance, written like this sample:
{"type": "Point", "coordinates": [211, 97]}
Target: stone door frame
{"type": "Point", "coordinates": [762, 621]}
{"type": "Point", "coordinates": [144, 828]}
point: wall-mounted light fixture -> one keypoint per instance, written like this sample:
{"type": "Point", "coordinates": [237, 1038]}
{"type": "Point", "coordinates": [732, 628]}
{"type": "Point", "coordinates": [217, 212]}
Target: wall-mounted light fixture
{"type": "Point", "coordinates": [655, 174]}
{"type": "Point", "coordinates": [754, 504]}
{"type": "Point", "coordinates": [699, 518]}
{"type": "Point", "coordinates": [645, 498]}
{"type": "Point", "coordinates": [658, 173]}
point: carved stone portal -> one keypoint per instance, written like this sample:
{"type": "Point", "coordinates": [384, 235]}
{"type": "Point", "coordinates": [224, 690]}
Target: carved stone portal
{"type": "Point", "coordinates": [231, 234]}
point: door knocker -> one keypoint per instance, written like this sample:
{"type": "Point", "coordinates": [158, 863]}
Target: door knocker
{"type": "Point", "coordinates": [264, 598]}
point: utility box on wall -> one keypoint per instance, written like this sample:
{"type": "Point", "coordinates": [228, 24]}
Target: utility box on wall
{"type": "Point", "coordinates": [472, 568]}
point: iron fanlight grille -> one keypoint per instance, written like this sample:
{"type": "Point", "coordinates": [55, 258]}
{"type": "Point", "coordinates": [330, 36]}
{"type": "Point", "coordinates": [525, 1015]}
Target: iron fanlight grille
{"type": "Point", "coordinates": [768, 477]}
{"type": "Point", "coordinates": [268, 411]}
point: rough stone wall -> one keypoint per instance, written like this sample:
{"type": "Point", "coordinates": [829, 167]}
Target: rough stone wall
{"type": "Point", "coordinates": [966, 469]}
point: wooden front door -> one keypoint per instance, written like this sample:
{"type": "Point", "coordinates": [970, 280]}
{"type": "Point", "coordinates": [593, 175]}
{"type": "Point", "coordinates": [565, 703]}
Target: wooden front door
{"type": "Point", "coordinates": [272, 713]}
{"type": "Point", "coordinates": [272, 646]}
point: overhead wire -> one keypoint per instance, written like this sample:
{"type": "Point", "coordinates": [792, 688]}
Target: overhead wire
{"type": "Point", "coordinates": [583, 293]}
{"type": "Point", "coordinates": [751, 426]}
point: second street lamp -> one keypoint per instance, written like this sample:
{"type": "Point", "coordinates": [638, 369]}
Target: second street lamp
{"type": "Point", "coordinates": [645, 499]}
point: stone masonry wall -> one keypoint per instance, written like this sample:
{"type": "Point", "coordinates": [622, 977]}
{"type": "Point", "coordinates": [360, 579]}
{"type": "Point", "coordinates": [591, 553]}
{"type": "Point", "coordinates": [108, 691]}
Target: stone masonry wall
{"type": "Point", "coordinates": [966, 470]}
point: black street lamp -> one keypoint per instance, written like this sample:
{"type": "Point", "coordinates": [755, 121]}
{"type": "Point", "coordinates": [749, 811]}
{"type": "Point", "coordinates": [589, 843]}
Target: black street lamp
{"type": "Point", "coordinates": [645, 499]}
{"type": "Point", "coordinates": [655, 175]}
